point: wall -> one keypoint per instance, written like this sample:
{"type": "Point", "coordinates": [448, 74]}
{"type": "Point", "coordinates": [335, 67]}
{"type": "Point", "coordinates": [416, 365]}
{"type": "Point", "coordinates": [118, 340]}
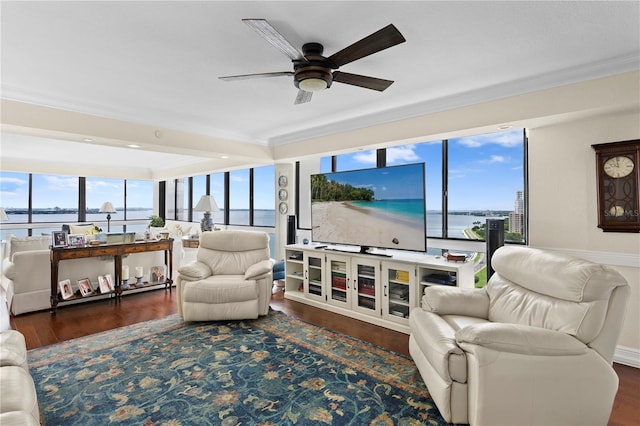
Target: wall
{"type": "Point", "coordinates": [563, 204]}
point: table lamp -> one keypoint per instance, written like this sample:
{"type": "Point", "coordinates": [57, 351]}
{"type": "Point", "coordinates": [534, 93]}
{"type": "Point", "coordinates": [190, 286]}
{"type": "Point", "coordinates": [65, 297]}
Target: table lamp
{"type": "Point", "coordinates": [3, 215]}
{"type": "Point", "coordinates": [108, 208]}
{"type": "Point", "coordinates": [207, 205]}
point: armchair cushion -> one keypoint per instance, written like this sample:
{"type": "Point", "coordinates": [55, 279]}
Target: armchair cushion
{"type": "Point", "coordinates": [511, 303]}
{"type": "Point", "coordinates": [565, 277]}
{"type": "Point", "coordinates": [194, 271]}
{"type": "Point", "coordinates": [258, 269]}
{"type": "Point", "coordinates": [445, 300]}
{"type": "Point", "coordinates": [519, 339]}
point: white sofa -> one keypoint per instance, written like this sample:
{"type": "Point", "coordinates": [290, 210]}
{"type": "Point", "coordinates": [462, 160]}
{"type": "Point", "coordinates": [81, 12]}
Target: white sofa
{"type": "Point", "coordinates": [26, 268]}
{"type": "Point", "coordinates": [534, 347]}
{"type": "Point", "coordinates": [18, 398]}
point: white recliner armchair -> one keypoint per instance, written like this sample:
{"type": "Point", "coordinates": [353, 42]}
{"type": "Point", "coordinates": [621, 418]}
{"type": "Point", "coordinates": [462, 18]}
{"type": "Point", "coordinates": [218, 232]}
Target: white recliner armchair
{"type": "Point", "coordinates": [231, 278]}
{"type": "Point", "coordinates": [534, 347]}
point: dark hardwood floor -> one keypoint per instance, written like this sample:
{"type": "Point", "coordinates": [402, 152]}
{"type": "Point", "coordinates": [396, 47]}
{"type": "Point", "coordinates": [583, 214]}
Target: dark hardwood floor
{"type": "Point", "coordinates": [42, 328]}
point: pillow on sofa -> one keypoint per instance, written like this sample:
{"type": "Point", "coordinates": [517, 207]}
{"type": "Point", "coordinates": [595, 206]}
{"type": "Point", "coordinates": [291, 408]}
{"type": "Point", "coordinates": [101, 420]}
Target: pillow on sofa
{"type": "Point", "coordinates": [17, 244]}
{"type": "Point", "coordinates": [179, 229]}
{"type": "Point", "coordinates": [81, 229]}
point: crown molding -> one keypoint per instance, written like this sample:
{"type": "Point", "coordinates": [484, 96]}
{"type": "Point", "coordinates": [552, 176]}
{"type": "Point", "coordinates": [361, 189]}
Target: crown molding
{"type": "Point", "coordinates": [549, 80]}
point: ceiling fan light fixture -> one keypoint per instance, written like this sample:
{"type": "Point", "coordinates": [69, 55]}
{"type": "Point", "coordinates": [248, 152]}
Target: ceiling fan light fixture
{"type": "Point", "coordinates": [313, 85]}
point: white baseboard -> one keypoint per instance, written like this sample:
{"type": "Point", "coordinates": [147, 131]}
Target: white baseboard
{"type": "Point", "coordinates": [627, 356]}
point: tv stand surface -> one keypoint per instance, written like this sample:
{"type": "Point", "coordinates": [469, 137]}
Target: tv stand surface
{"type": "Point", "coordinates": [366, 253]}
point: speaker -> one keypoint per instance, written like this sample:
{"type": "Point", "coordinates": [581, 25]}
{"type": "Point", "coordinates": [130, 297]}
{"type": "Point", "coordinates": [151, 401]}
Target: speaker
{"type": "Point", "coordinates": [291, 230]}
{"type": "Point", "coordinates": [495, 239]}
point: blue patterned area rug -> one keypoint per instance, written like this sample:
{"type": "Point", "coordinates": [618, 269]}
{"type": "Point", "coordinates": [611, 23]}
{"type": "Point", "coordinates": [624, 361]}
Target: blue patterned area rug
{"type": "Point", "coordinates": [276, 370]}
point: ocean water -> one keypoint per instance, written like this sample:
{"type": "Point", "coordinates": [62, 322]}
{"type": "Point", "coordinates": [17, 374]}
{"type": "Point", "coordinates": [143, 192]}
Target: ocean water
{"type": "Point", "coordinates": [411, 209]}
{"type": "Point", "coordinates": [457, 223]}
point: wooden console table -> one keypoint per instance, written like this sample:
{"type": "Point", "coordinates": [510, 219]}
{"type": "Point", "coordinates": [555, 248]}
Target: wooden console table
{"type": "Point", "coordinates": [115, 250]}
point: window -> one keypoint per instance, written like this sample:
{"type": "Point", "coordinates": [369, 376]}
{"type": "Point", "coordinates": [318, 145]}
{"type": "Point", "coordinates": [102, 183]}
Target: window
{"type": "Point", "coordinates": [99, 191]}
{"type": "Point", "coordinates": [264, 210]}
{"type": "Point", "coordinates": [239, 197]}
{"type": "Point", "coordinates": [199, 189]}
{"type": "Point", "coordinates": [486, 180]}
{"type": "Point", "coordinates": [14, 191]}
{"type": "Point", "coordinates": [54, 198]}
{"type": "Point", "coordinates": [216, 182]}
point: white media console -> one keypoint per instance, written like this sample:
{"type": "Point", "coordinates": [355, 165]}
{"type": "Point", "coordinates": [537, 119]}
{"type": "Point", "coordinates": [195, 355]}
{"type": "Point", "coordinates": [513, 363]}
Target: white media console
{"type": "Point", "coordinates": [380, 287]}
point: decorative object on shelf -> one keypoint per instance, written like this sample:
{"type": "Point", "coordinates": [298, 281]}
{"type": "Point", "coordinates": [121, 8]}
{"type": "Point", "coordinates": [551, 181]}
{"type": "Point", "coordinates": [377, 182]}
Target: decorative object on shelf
{"type": "Point", "coordinates": [282, 181]}
{"type": "Point", "coordinates": [3, 215]}
{"type": "Point", "coordinates": [157, 274]}
{"type": "Point", "coordinates": [85, 287]}
{"type": "Point", "coordinates": [163, 235]}
{"type": "Point", "coordinates": [65, 289]}
{"type": "Point", "coordinates": [59, 238]}
{"type": "Point", "coordinates": [125, 277]}
{"type": "Point", "coordinates": [207, 204]}
{"type": "Point", "coordinates": [618, 179]}
{"type": "Point", "coordinates": [455, 257]}
{"type": "Point", "coordinates": [75, 240]}
{"type": "Point", "coordinates": [283, 208]}
{"type": "Point", "coordinates": [156, 222]}
{"type": "Point", "coordinates": [283, 195]}
{"type": "Point", "coordinates": [107, 208]}
{"type": "Point", "coordinates": [105, 283]}
{"type": "Point", "coordinates": [139, 275]}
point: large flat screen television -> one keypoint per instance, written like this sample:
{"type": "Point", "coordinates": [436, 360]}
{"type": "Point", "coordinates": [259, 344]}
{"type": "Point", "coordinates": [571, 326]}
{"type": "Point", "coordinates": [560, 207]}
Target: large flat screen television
{"type": "Point", "coordinates": [381, 208]}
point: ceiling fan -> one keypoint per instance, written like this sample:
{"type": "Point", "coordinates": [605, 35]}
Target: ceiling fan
{"type": "Point", "coordinates": [312, 72]}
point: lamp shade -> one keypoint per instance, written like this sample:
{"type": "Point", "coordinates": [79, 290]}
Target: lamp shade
{"type": "Point", "coordinates": [3, 215]}
{"type": "Point", "coordinates": [107, 207]}
{"type": "Point", "coordinates": [207, 204]}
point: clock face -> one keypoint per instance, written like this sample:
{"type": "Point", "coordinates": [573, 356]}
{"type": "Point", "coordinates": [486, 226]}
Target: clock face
{"type": "Point", "coordinates": [618, 167]}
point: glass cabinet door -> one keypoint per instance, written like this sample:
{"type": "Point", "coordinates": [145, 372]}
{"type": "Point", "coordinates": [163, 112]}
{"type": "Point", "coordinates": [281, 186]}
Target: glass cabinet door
{"type": "Point", "coordinates": [366, 277]}
{"type": "Point", "coordinates": [339, 285]}
{"type": "Point", "coordinates": [398, 282]}
{"type": "Point", "coordinates": [313, 285]}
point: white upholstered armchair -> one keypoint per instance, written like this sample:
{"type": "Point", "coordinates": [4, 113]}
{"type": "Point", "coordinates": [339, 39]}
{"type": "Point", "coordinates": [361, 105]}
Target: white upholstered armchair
{"type": "Point", "coordinates": [534, 347]}
{"type": "Point", "coordinates": [231, 278]}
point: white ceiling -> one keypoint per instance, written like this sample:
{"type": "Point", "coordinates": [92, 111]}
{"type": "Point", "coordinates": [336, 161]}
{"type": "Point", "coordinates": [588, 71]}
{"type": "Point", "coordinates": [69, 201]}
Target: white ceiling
{"type": "Point", "coordinates": [158, 63]}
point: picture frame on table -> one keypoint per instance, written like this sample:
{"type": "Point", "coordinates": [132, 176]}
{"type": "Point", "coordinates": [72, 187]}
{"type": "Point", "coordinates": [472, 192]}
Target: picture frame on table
{"type": "Point", "coordinates": [105, 284]}
{"type": "Point", "coordinates": [85, 287]}
{"type": "Point", "coordinates": [59, 238]}
{"type": "Point", "coordinates": [75, 240]}
{"type": "Point", "coordinates": [65, 289]}
{"type": "Point", "coordinates": [157, 274]}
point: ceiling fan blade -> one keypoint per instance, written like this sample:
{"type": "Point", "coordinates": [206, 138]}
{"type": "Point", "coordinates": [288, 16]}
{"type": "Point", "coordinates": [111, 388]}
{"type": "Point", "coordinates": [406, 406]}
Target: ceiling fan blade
{"type": "Point", "coordinates": [264, 28]}
{"type": "Point", "coordinates": [259, 75]}
{"type": "Point", "coordinates": [362, 81]}
{"type": "Point", "coordinates": [303, 97]}
{"type": "Point", "coordinates": [382, 39]}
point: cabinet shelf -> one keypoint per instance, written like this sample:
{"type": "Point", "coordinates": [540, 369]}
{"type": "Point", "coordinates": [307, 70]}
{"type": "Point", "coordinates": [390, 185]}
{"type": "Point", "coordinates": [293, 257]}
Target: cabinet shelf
{"type": "Point", "coordinates": [381, 291]}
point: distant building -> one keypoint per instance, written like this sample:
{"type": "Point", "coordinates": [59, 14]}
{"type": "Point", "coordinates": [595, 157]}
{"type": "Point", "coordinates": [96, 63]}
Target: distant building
{"type": "Point", "coordinates": [516, 218]}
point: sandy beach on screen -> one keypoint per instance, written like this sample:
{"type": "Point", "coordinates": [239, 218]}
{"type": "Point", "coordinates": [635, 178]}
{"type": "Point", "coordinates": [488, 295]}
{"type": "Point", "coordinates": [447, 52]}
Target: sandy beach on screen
{"type": "Point", "coordinates": [344, 222]}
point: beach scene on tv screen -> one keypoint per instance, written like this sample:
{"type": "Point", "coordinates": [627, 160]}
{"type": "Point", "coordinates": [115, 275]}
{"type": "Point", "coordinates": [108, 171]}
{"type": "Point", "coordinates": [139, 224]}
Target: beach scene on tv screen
{"type": "Point", "coordinates": [382, 207]}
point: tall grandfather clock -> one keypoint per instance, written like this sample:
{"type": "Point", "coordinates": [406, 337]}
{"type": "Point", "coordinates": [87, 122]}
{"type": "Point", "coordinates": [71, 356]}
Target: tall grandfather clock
{"type": "Point", "coordinates": [617, 165]}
